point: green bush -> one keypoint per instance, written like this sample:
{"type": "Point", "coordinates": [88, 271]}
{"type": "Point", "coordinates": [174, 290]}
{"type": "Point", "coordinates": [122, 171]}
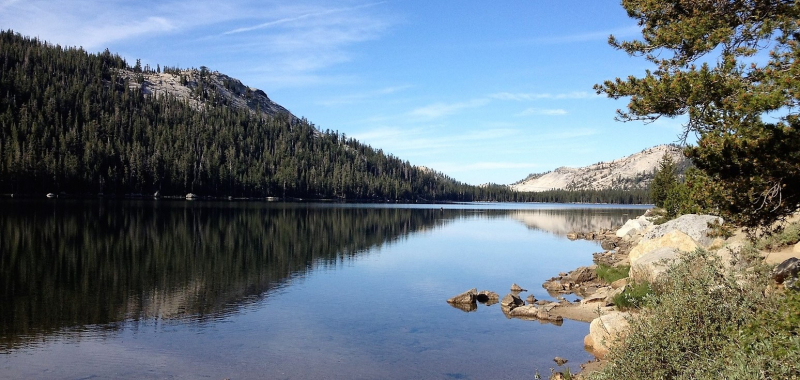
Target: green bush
{"type": "Point", "coordinates": [789, 235]}
{"type": "Point", "coordinates": [708, 322]}
{"type": "Point", "coordinates": [635, 296]}
{"type": "Point", "coordinates": [610, 274]}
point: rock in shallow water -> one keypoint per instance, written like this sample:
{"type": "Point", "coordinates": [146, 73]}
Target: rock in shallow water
{"type": "Point", "coordinates": [464, 298]}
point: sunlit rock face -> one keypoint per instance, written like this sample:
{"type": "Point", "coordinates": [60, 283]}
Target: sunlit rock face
{"type": "Point", "coordinates": [632, 172]}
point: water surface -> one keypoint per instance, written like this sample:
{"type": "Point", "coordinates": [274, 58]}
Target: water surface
{"type": "Point", "coordinates": [177, 289]}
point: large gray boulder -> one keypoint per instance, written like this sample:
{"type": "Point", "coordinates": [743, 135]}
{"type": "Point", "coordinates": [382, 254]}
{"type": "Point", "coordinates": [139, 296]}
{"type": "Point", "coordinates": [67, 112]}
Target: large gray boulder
{"type": "Point", "coordinates": [652, 265]}
{"type": "Point", "coordinates": [605, 332]}
{"type": "Point", "coordinates": [672, 239]}
{"type": "Point", "coordinates": [696, 226]}
{"type": "Point", "coordinates": [634, 226]}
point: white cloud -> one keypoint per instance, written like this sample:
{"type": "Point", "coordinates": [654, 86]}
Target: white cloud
{"type": "Point", "coordinates": [538, 96]}
{"type": "Point", "coordinates": [438, 110]}
{"type": "Point", "coordinates": [542, 111]}
{"type": "Point", "coordinates": [362, 96]}
{"type": "Point", "coordinates": [624, 32]}
{"type": "Point", "coordinates": [298, 40]}
{"type": "Point", "coordinates": [299, 17]}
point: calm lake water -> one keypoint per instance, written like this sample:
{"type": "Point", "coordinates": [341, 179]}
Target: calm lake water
{"type": "Point", "coordinates": [241, 290]}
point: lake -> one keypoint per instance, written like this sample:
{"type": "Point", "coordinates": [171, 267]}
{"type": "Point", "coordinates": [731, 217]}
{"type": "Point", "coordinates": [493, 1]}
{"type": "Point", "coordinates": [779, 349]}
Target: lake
{"type": "Point", "coordinates": [194, 289]}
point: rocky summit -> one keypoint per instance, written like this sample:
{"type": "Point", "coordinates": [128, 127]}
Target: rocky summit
{"type": "Point", "coordinates": [632, 172]}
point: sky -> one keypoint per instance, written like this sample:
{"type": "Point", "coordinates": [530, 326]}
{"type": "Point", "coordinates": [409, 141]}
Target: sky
{"type": "Point", "coordinates": [484, 92]}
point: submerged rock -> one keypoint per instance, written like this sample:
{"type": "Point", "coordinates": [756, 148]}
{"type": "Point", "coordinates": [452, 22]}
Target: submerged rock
{"type": "Point", "coordinates": [534, 312]}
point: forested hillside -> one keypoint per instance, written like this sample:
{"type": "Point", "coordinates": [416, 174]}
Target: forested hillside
{"type": "Point", "coordinates": [81, 124]}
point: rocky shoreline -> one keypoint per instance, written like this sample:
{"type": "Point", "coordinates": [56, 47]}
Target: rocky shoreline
{"type": "Point", "coordinates": [639, 248]}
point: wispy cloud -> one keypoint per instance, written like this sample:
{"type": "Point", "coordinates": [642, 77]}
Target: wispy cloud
{"type": "Point", "coordinates": [299, 40]}
{"type": "Point", "coordinates": [539, 96]}
{"type": "Point", "coordinates": [438, 110]}
{"type": "Point", "coordinates": [542, 111]}
{"type": "Point", "coordinates": [362, 96]}
{"type": "Point", "coordinates": [600, 35]}
{"type": "Point", "coordinates": [300, 17]}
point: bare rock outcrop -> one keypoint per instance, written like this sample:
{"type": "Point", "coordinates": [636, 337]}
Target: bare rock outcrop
{"type": "Point", "coordinates": [696, 226]}
{"type": "Point", "coordinates": [606, 331]}
{"type": "Point", "coordinates": [672, 239]}
{"type": "Point", "coordinates": [653, 264]}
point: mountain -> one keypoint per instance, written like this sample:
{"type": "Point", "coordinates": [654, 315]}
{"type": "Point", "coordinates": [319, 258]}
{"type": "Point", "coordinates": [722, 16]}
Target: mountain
{"type": "Point", "coordinates": [632, 172]}
{"type": "Point", "coordinates": [199, 87]}
{"type": "Point", "coordinates": [82, 124]}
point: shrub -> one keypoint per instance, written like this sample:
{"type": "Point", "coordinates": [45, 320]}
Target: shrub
{"type": "Point", "coordinates": [610, 274]}
{"type": "Point", "coordinates": [789, 235]}
{"type": "Point", "coordinates": [708, 322]}
{"type": "Point", "coordinates": [635, 296]}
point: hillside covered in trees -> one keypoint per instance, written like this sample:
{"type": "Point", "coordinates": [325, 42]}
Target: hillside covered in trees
{"type": "Point", "coordinates": [80, 123]}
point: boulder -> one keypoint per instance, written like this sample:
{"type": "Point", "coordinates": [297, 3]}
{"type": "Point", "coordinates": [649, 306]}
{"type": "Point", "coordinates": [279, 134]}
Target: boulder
{"type": "Point", "coordinates": [605, 332]}
{"type": "Point", "coordinates": [488, 297]}
{"type": "Point", "coordinates": [517, 288]}
{"type": "Point", "coordinates": [696, 226]}
{"type": "Point", "coordinates": [650, 266]}
{"type": "Point", "coordinates": [582, 274]}
{"type": "Point", "coordinates": [608, 244]}
{"type": "Point", "coordinates": [531, 299]}
{"type": "Point", "coordinates": [532, 311]}
{"type": "Point", "coordinates": [621, 283]}
{"type": "Point", "coordinates": [511, 301]}
{"type": "Point", "coordinates": [464, 298]}
{"type": "Point", "coordinates": [553, 285]}
{"type": "Point", "coordinates": [673, 239]}
{"type": "Point", "coordinates": [786, 270]}
{"type": "Point", "coordinates": [560, 361]}
{"type": "Point", "coordinates": [612, 294]}
{"type": "Point", "coordinates": [632, 227]}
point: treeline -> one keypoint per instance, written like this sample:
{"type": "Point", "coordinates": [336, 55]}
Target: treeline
{"type": "Point", "coordinates": [70, 122]}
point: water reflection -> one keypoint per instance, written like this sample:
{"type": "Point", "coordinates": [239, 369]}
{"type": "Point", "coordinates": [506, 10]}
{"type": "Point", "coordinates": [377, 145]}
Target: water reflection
{"type": "Point", "coordinates": [66, 265]}
{"type": "Point", "coordinates": [562, 222]}
{"type": "Point", "coordinates": [69, 264]}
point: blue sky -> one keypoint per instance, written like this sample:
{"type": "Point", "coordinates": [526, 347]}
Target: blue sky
{"type": "Point", "coordinates": [481, 91]}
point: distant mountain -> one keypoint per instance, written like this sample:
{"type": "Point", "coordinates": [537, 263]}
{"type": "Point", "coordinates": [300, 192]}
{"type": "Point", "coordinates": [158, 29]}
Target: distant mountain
{"type": "Point", "coordinates": [628, 173]}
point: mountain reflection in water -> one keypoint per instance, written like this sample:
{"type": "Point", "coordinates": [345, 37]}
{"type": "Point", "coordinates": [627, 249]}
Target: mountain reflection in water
{"type": "Point", "coordinates": [65, 265]}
